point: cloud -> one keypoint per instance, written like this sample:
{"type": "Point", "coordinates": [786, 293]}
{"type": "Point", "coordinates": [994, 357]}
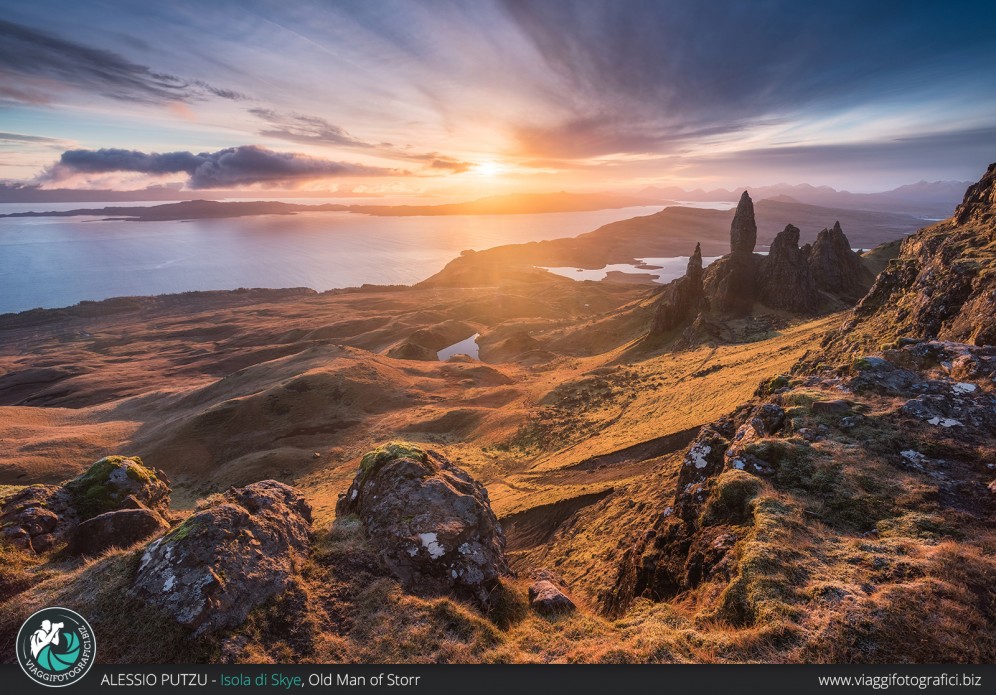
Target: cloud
{"type": "Point", "coordinates": [311, 130]}
{"type": "Point", "coordinates": [314, 130]}
{"type": "Point", "coordinates": [902, 151]}
{"type": "Point", "coordinates": [449, 164]}
{"type": "Point", "coordinates": [433, 160]}
{"type": "Point", "coordinates": [29, 58]}
{"type": "Point", "coordinates": [234, 166]}
{"type": "Point", "coordinates": [581, 138]}
{"type": "Point", "coordinates": [34, 139]}
{"type": "Point", "coordinates": [953, 154]}
{"type": "Point", "coordinates": [631, 77]}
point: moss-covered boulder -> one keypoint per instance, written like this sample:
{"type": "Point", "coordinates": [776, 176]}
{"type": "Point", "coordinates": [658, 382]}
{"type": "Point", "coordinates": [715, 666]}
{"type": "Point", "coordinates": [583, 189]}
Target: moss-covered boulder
{"type": "Point", "coordinates": [37, 518]}
{"type": "Point", "coordinates": [239, 550]}
{"type": "Point", "coordinates": [431, 522]}
{"type": "Point", "coordinates": [109, 483]}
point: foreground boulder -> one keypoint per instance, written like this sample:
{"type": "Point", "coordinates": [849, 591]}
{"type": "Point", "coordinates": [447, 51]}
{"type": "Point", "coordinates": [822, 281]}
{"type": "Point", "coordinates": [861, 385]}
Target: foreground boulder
{"type": "Point", "coordinates": [39, 517]}
{"type": "Point", "coordinates": [112, 480]}
{"type": "Point", "coordinates": [430, 521]}
{"type": "Point", "coordinates": [117, 529]}
{"type": "Point", "coordinates": [229, 557]}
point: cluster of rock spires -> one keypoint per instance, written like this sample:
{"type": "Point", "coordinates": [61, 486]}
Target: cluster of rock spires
{"type": "Point", "coordinates": [789, 278]}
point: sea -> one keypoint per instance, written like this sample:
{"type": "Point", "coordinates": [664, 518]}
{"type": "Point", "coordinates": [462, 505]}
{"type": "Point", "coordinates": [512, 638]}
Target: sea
{"type": "Point", "coordinates": [52, 262]}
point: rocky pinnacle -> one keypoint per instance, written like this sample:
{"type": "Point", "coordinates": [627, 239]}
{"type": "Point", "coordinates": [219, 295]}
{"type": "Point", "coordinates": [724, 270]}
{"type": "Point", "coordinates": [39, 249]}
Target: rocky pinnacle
{"type": "Point", "coordinates": [743, 232]}
{"type": "Point", "coordinates": [694, 269]}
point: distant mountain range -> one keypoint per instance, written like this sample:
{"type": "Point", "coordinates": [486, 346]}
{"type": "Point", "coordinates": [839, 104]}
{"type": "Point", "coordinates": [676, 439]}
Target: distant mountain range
{"type": "Point", "coordinates": [926, 199]}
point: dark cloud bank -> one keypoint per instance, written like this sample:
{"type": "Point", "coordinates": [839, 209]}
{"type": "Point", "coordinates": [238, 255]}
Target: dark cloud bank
{"type": "Point", "coordinates": [656, 76]}
{"type": "Point", "coordinates": [28, 52]}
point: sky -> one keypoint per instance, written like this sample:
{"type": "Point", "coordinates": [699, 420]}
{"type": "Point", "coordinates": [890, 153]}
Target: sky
{"type": "Point", "coordinates": [448, 98]}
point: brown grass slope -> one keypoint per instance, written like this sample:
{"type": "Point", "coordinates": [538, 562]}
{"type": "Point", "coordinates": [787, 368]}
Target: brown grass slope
{"type": "Point", "coordinates": [841, 552]}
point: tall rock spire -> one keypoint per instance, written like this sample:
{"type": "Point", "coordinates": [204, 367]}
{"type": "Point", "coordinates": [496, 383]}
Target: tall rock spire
{"type": "Point", "coordinates": [694, 268]}
{"type": "Point", "coordinates": [743, 232]}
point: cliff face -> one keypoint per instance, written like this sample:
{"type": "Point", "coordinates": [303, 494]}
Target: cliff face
{"type": "Point", "coordinates": [942, 285]}
{"type": "Point", "coordinates": [836, 268]}
{"type": "Point", "coordinates": [785, 280]}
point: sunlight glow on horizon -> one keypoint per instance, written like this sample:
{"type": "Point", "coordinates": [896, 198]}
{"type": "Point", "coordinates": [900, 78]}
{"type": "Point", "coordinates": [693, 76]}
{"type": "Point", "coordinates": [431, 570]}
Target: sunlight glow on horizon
{"type": "Point", "coordinates": [529, 95]}
{"type": "Point", "coordinates": [488, 169]}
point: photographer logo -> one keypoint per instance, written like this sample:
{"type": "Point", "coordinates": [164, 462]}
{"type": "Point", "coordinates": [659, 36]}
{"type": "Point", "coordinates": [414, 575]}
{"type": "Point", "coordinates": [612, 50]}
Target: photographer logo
{"type": "Point", "coordinates": [56, 647]}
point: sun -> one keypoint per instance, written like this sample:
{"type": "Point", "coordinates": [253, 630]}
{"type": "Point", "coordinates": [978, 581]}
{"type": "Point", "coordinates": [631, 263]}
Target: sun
{"type": "Point", "coordinates": [487, 168]}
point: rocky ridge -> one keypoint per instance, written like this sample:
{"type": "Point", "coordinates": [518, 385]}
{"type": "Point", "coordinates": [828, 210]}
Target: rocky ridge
{"type": "Point", "coordinates": [880, 445]}
{"type": "Point", "coordinates": [942, 285]}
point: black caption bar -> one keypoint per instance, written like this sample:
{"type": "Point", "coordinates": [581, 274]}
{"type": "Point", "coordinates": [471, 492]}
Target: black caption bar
{"type": "Point", "coordinates": [517, 680]}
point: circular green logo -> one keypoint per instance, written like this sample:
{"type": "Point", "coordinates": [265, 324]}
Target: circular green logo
{"type": "Point", "coordinates": [56, 647]}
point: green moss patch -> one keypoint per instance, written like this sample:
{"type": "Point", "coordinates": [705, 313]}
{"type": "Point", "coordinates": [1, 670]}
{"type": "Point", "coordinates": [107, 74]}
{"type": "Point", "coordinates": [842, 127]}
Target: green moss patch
{"type": "Point", "coordinates": [92, 491]}
{"type": "Point", "coordinates": [189, 526]}
{"type": "Point", "coordinates": [731, 496]}
{"type": "Point", "coordinates": [390, 452]}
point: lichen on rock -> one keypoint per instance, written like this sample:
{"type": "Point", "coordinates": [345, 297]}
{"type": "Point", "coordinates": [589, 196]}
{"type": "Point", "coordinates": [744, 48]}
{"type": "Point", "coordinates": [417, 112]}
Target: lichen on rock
{"type": "Point", "coordinates": [234, 554]}
{"type": "Point", "coordinates": [430, 522]}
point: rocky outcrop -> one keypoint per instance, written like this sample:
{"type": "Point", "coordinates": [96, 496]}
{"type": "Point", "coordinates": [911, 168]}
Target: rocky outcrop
{"type": "Point", "coordinates": [935, 412]}
{"type": "Point", "coordinates": [942, 285]}
{"type": "Point", "coordinates": [785, 280]}
{"type": "Point", "coordinates": [730, 282]}
{"type": "Point", "coordinates": [836, 268]}
{"type": "Point", "coordinates": [743, 231]}
{"type": "Point", "coordinates": [112, 480]}
{"type": "Point", "coordinates": [681, 299]}
{"type": "Point", "coordinates": [979, 204]}
{"type": "Point", "coordinates": [430, 522]}
{"type": "Point", "coordinates": [39, 517]}
{"type": "Point", "coordinates": [117, 529]}
{"type": "Point", "coordinates": [234, 554]}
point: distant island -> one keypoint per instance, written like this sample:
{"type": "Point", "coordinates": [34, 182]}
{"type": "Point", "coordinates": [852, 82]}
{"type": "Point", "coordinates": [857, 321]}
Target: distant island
{"type": "Point", "coordinates": [512, 204]}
